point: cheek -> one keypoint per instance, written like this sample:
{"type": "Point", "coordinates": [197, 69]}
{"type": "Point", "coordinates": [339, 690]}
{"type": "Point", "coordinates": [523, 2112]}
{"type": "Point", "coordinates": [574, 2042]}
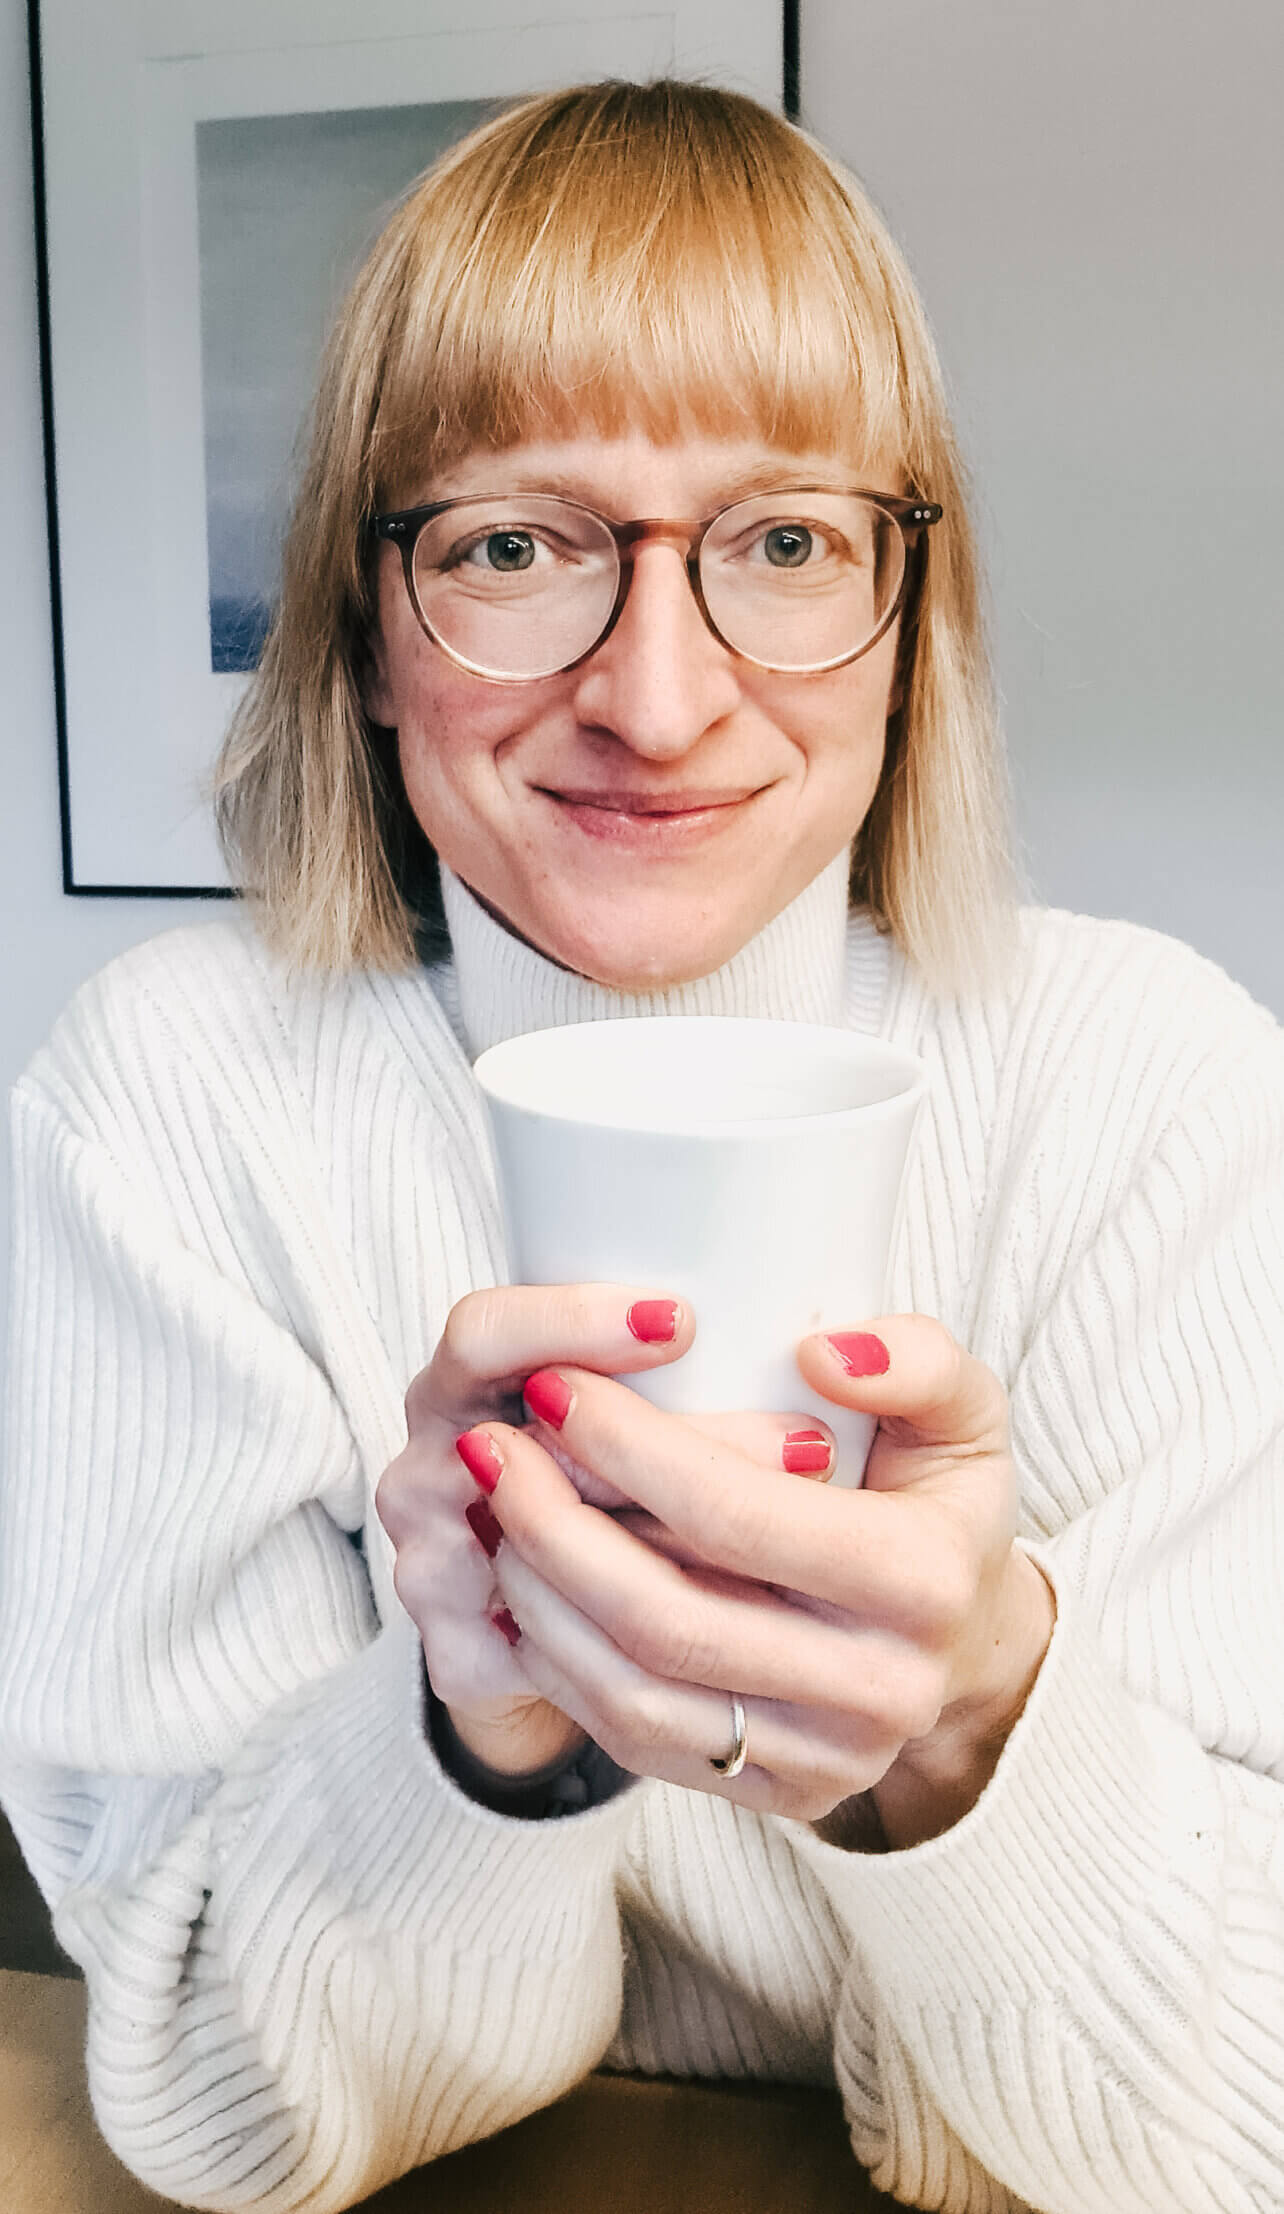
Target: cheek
{"type": "Point", "coordinates": [423, 691]}
{"type": "Point", "coordinates": [842, 728]}
{"type": "Point", "coordinates": [452, 741]}
{"type": "Point", "coordinates": [439, 758]}
{"type": "Point", "coordinates": [869, 701]}
{"type": "Point", "coordinates": [445, 717]}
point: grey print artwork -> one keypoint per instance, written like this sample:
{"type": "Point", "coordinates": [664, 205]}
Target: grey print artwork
{"type": "Point", "coordinates": [286, 204]}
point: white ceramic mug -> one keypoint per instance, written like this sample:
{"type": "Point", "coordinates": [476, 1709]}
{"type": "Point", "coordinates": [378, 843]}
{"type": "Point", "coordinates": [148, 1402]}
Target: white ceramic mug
{"type": "Point", "coordinates": [753, 1169]}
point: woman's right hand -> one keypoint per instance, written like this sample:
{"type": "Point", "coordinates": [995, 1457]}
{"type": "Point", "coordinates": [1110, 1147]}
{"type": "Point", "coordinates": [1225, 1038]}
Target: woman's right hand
{"type": "Point", "coordinates": [438, 1520]}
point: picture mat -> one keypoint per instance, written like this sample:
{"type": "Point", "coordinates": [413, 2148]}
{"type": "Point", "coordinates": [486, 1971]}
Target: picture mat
{"type": "Point", "coordinates": [287, 206]}
{"type": "Point", "coordinates": [144, 712]}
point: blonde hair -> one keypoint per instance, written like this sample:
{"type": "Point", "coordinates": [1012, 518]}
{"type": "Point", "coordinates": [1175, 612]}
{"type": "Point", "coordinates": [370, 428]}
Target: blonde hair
{"type": "Point", "coordinates": [669, 257]}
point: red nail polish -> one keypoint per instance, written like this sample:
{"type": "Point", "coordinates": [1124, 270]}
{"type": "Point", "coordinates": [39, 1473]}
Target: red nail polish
{"type": "Point", "coordinates": [480, 1456]}
{"type": "Point", "coordinates": [485, 1525]}
{"type": "Point", "coordinates": [861, 1353]}
{"type": "Point", "coordinates": [654, 1321]}
{"type": "Point", "coordinates": [805, 1452]}
{"type": "Point", "coordinates": [503, 1620]}
{"type": "Point", "coordinates": [548, 1395]}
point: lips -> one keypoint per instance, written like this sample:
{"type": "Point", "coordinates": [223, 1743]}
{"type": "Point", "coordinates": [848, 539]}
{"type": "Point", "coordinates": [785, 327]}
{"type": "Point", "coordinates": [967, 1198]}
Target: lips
{"type": "Point", "coordinates": [662, 825]}
{"type": "Point", "coordinates": [649, 804]}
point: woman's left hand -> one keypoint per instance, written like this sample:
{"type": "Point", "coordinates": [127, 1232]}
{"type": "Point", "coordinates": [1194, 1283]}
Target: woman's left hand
{"type": "Point", "coordinates": [883, 1640]}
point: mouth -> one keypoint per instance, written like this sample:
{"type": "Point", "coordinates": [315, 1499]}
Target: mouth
{"type": "Point", "coordinates": [650, 821]}
{"type": "Point", "coordinates": [648, 804]}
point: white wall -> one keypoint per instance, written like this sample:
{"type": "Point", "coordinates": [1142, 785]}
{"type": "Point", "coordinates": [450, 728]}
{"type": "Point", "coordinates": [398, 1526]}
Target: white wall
{"type": "Point", "coordinates": [49, 942]}
{"type": "Point", "coordinates": [1090, 197]}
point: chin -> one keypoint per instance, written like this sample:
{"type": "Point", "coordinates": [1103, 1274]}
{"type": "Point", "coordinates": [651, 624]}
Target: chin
{"type": "Point", "coordinates": [645, 964]}
{"type": "Point", "coordinates": [646, 942]}
{"type": "Point", "coordinates": [653, 976]}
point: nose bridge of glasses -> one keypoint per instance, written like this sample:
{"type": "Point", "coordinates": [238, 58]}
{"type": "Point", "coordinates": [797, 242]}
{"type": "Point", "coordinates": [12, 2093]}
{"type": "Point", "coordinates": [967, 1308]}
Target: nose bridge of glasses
{"type": "Point", "coordinates": [683, 535]}
{"type": "Point", "coordinates": [657, 530]}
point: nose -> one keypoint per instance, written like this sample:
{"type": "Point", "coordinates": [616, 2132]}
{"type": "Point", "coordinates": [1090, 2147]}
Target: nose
{"type": "Point", "coordinates": [661, 680]}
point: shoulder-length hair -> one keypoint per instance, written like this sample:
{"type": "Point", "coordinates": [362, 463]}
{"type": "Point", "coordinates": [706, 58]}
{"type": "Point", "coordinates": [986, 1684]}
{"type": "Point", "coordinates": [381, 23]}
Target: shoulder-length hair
{"type": "Point", "coordinates": [668, 257]}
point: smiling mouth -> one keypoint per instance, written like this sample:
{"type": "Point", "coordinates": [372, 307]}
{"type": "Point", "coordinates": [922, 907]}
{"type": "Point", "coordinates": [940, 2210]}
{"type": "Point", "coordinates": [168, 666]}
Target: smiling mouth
{"type": "Point", "coordinates": [649, 806]}
{"type": "Point", "coordinates": [658, 825]}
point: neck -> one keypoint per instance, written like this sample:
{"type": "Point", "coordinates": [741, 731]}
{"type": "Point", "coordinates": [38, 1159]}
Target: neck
{"type": "Point", "coordinates": [793, 971]}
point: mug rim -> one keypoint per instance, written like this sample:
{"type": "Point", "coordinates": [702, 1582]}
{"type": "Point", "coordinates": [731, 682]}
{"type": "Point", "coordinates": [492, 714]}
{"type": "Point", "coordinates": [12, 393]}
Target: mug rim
{"type": "Point", "coordinates": [489, 1070]}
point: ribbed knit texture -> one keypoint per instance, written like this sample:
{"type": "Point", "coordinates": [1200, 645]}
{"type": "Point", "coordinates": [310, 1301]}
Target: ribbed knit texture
{"type": "Point", "coordinates": [793, 971]}
{"type": "Point", "coordinates": [244, 1206]}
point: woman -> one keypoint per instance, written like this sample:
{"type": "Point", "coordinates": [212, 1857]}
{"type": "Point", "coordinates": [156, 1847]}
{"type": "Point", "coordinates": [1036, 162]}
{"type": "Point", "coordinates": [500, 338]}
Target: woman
{"type": "Point", "coordinates": [384, 1784]}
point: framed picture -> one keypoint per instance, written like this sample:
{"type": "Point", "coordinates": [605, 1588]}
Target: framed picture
{"type": "Point", "coordinates": [209, 173]}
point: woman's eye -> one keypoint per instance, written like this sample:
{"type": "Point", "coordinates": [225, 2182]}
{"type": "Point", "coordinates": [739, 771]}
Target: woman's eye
{"type": "Point", "coordinates": [787, 545]}
{"type": "Point", "coordinates": [505, 551]}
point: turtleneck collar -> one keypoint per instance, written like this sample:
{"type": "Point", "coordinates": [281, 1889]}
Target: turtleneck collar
{"type": "Point", "coordinates": [812, 963]}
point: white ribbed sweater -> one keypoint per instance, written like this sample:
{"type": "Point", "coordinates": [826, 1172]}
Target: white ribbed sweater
{"type": "Point", "coordinates": [244, 1206]}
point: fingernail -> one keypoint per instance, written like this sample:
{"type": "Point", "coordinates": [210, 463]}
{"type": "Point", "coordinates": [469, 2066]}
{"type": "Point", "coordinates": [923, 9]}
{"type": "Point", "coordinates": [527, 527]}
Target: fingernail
{"type": "Point", "coordinates": [654, 1321]}
{"type": "Point", "coordinates": [548, 1395]}
{"type": "Point", "coordinates": [861, 1353]}
{"type": "Point", "coordinates": [804, 1452]}
{"type": "Point", "coordinates": [480, 1456]}
{"type": "Point", "coordinates": [485, 1525]}
{"type": "Point", "coordinates": [503, 1620]}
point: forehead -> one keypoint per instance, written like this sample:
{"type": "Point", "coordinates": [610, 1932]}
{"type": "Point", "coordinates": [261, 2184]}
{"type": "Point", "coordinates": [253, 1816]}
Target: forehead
{"type": "Point", "coordinates": [636, 475]}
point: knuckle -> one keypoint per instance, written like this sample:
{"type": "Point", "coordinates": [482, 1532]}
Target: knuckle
{"type": "Point", "coordinates": [412, 1579]}
{"type": "Point", "coordinates": [918, 1706]}
{"type": "Point", "coordinates": [970, 1383]}
{"type": "Point", "coordinates": [418, 1401]}
{"type": "Point", "coordinates": [819, 1795]}
{"type": "Point", "coordinates": [793, 1797]}
{"type": "Point", "coordinates": [946, 1356]}
{"type": "Point", "coordinates": [678, 1648]}
{"type": "Point", "coordinates": [389, 1498]}
{"type": "Point", "coordinates": [470, 1321]}
{"type": "Point", "coordinates": [635, 1722]}
{"type": "Point", "coordinates": [446, 1661]}
{"type": "Point", "coordinates": [406, 1491]}
{"type": "Point", "coordinates": [993, 1401]}
{"type": "Point", "coordinates": [813, 1780]}
{"type": "Point", "coordinates": [902, 1702]}
{"type": "Point", "coordinates": [733, 1529]}
{"type": "Point", "coordinates": [934, 1341]}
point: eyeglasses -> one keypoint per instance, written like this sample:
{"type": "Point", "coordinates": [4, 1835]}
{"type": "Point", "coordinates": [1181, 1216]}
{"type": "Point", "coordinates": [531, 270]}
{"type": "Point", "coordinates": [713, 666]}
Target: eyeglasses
{"type": "Point", "coordinates": [515, 586]}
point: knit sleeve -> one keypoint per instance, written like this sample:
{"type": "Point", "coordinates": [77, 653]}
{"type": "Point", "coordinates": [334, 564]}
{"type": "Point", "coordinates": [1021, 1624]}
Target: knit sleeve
{"type": "Point", "coordinates": [1075, 1998]}
{"type": "Point", "coordinates": [312, 1963]}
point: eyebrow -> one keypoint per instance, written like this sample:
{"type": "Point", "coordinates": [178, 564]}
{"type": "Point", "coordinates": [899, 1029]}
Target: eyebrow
{"type": "Point", "coordinates": [765, 476]}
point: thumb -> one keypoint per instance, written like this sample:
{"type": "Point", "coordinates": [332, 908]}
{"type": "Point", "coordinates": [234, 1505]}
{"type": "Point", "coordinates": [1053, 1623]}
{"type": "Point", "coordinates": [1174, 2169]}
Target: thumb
{"type": "Point", "coordinates": [924, 1387]}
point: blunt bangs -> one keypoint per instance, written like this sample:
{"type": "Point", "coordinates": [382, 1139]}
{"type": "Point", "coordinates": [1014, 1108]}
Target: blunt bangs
{"type": "Point", "coordinates": [666, 264]}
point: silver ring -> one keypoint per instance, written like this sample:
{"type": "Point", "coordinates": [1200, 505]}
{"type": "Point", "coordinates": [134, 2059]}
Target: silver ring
{"type": "Point", "coordinates": [739, 1753]}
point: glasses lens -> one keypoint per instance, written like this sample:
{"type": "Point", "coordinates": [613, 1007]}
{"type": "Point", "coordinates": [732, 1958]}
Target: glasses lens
{"type": "Point", "coordinates": [516, 587]}
{"type": "Point", "coordinates": [802, 580]}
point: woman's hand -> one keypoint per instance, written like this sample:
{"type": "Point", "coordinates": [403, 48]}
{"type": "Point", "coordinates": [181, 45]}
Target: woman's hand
{"type": "Point", "coordinates": [941, 1449]}
{"type": "Point", "coordinates": [881, 1640]}
{"type": "Point", "coordinates": [443, 1529]}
